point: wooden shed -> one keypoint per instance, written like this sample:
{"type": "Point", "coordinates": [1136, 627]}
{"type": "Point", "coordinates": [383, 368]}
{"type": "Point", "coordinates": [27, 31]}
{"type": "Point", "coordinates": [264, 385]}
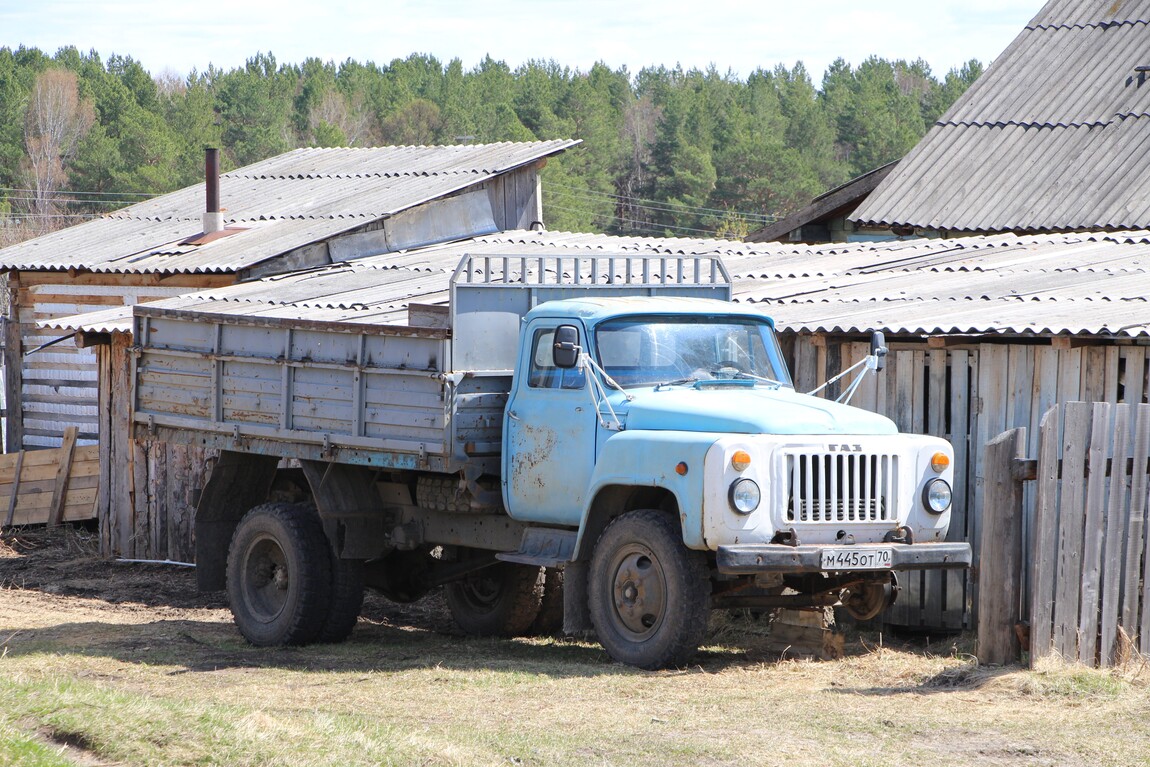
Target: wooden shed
{"type": "Point", "coordinates": [300, 210]}
{"type": "Point", "coordinates": [985, 333]}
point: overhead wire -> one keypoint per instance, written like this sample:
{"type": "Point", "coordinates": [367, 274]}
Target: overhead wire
{"type": "Point", "coordinates": [655, 205]}
{"type": "Point", "coordinates": [592, 198]}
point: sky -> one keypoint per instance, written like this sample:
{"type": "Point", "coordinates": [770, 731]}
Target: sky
{"type": "Point", "coordinates": [739, 36]}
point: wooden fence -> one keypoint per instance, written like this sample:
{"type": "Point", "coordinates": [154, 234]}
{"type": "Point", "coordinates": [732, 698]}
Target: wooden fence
{"type": "Point", "coordinates": [1086, 549]}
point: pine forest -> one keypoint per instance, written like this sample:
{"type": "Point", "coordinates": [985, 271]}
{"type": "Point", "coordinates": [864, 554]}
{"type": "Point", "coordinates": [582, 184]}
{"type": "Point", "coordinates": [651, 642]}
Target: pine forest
{"type": "Point", "coordinates": [665, 152]}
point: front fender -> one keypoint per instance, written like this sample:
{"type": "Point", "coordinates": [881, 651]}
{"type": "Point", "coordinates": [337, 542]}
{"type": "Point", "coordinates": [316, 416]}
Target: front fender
{"type": "Point", "coordinates": [651, 459]}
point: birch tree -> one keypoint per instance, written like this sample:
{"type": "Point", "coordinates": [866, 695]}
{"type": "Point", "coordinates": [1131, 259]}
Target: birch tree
{"type": "Point", "coordinates": [54, 123]}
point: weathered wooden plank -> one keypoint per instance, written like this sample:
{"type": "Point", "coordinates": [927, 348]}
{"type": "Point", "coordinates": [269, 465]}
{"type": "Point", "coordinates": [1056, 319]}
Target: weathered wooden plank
{"type": "Point", "coordinates": [1115, 523]}
{"type": "Point", "coordinates": [1094, 374]}
{"type": "Point", "coordinates": [104, 398]}
{"type": "Point", "coordinates": [141, 541]}
{"type": "Point", "coordinates": [1134, 374]}
{"type": "Point", "coordinates": [1000, 581]}
{"type": "Point", "coordinates": [957, 581]}
{"type": "Point", "coordinates": [806, 363]}
{"type": "Point", "coordinates": [1110, 371]}
{"type": "Point", "coordinates": [1139, 486]}
{"type": "Point", "coordinates": [904, 391]}
{"type": "Point", "coordinates": [118, 471]}
{"type": "Point", "coordinates": [60, 490]}
{"type": "Point", "coordinates": [934, 403]}
{"type": "Point", "coordinates": [15, 490]}
{"type": "Point", "coordinates": [1097, 455]}
{"type": "Point", "coordinates": [1044, 545]}
{"type": "Point", "coordinates": [1072, 513]}
{"type": "Point", "coordinates": [82, 466]}
{"type": "Point", "coordinates": [1020, 382]}
{"type": "Point", "coordinates": [993, 373]}
{"type": "Point", "coordinates": [1070, 375]}
{"type": "Point", "coordinates": [13, 370]}
{"type": "Point", "coordinates": [79, 508]}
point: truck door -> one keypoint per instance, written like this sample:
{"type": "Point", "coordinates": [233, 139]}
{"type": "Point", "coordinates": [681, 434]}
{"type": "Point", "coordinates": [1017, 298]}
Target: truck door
{"type": "Point", "coordinates": [549, 433]}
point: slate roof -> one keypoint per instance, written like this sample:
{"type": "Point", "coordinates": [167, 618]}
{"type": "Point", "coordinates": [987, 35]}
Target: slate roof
{"type": "Point", "coordinates": [1055, 136]}
{"type": "Point", "coordinates": [1033, 285]}
{"type": "Point", "coordinates": [282, 203]}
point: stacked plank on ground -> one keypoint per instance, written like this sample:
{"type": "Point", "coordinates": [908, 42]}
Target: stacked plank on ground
{"type": "Point", "coordinates": [49, 486]}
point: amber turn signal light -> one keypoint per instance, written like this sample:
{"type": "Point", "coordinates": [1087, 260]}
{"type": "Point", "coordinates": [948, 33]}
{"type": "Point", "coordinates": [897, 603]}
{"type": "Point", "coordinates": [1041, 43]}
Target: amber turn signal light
{"type": "Point", "coordinates": [940, 462]}
{"type": "Point", "coordinates": [740, 460]}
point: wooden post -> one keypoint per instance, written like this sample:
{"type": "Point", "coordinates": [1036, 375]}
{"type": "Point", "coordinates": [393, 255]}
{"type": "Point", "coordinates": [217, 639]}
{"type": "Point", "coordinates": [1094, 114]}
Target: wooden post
{"type": "Point", "coordinates": [1000, 569]}
{"type": "Point", "coordinates": [13, 370]}
{"type": "Point", "coordinates": [15, 489]}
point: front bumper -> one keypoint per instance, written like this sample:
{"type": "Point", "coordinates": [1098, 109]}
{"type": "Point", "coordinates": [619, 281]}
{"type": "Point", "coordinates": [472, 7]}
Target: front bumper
{"type": "Point", "coordinates": [779, 558]}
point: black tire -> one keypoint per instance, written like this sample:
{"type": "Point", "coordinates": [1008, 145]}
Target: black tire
{"type": "Point", "coordinates": [549, 622]}
{"type": "Point", "coordinates": [649, 595]}
{"type": "Point", "coordinates": [441, 493]}
{"type": "Point", "coordinates": [346, 599]}
{"type": "Point", "coordinates": [502, 600]}
{"type": "Point", "coordinates": [279, 575]}
{"type": "Point", "coordinates": [346, 591]}
{"type": "Point", "coordinates": [401, 576]}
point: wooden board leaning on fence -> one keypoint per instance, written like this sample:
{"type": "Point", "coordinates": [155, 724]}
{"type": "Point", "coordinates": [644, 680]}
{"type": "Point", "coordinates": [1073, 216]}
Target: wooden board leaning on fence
{"type": "Point", "coordinates": [49, 486]}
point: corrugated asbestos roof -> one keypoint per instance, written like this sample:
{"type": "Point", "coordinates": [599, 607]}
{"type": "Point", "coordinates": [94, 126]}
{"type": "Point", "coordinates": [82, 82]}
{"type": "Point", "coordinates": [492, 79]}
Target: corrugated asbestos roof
{"type": "Point", "coordinates": [285, 202]}
{"type": "Point", "coordinates": [1054, 136]}
{"type": "Point", "coordinates": [1080, 284]}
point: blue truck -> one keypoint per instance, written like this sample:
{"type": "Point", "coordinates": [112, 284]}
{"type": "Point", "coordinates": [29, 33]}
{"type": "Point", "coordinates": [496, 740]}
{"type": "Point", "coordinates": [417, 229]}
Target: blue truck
{"type": "Point", "coordinates": [602, 442]}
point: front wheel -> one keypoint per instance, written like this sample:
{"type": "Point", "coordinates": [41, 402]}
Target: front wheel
{"type": "Point", "coordinates": [649, 594]}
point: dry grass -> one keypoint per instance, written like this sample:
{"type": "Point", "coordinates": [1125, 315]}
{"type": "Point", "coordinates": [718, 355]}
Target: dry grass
{"type": "Point", "coordinates": [85, 679]}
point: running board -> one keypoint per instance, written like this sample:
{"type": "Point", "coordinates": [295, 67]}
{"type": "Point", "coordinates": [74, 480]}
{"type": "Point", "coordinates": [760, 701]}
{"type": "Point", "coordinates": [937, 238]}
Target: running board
{"type": "Point", "coordinates": [543, 547]}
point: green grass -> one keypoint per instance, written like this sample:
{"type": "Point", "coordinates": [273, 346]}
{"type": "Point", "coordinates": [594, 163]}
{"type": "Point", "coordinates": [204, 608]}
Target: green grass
{"type": "Point", "coordinates": [503, 703]}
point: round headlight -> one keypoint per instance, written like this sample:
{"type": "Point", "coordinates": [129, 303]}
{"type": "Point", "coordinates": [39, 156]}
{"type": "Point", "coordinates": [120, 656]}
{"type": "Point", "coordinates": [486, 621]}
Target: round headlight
{"type": "Point", "coordinates": [744, 496]}
{"type": "Point", "coordinates": [936, 496]}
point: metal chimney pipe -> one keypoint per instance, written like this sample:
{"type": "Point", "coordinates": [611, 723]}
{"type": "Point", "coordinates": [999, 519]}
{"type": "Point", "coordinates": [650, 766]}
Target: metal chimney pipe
{"type": "Point", "coordinates": [213, 217]}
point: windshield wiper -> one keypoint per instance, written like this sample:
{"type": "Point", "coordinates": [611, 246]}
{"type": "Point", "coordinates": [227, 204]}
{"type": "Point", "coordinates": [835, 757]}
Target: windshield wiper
{"type": "Point", "coordinates": [676, 382]}
{"type": "Point", "coordinates": [758, 379]}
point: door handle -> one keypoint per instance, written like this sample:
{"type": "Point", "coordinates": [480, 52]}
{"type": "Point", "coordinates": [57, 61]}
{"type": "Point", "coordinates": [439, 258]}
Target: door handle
{"type": "Point", "coordinates": [512, 416]}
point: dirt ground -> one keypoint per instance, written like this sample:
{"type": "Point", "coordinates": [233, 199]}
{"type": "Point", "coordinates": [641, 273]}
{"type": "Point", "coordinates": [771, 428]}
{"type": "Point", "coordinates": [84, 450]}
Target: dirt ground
{"type": "Point", "coordinates": [58, 576]}
{"type": "Point", "coordinates": [112, 663]}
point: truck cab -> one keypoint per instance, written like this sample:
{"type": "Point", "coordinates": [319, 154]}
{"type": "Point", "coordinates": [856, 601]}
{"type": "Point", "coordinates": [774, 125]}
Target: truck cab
{"type": "Point", "coordinates": [673, 422]}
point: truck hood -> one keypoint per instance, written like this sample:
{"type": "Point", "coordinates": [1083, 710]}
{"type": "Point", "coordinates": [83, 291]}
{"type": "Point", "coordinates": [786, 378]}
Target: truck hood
{"type": "Point", "coordinates": [738, 410]}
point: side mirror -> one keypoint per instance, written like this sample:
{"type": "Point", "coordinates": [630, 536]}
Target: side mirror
{"type": "Point", "coordinates": [565, 352]}
{"type": "Point", "coordinates": [878, 349]}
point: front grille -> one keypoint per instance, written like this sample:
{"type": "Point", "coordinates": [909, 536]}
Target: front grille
{"type": "Point", "coordinates": [835, 488]}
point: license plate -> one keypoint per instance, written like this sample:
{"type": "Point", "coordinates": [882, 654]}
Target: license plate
{"type": "Point", "coordinates": [856, 558]}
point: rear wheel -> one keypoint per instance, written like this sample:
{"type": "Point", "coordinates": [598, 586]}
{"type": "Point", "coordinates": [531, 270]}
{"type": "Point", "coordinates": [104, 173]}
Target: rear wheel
{"type": "Point", "coordinates": [500, 600]}
{"type": "Point", "coordinates": [549, 622]}
{"type": "Point", "coordinates": [346, 599]}
{"type": "Point", "coordinates": [649, 595]}
{"type": "Point", "coordinates": [279, 575]}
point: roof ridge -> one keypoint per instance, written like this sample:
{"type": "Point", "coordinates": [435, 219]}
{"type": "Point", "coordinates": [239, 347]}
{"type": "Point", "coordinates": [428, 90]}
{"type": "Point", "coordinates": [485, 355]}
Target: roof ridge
{"type": "Point", "coordinates": [1029, 123]}
{"type": "Point", "coordinates": [1116, 117]}
{"type": "Point", "coordinates": [1087, 24]}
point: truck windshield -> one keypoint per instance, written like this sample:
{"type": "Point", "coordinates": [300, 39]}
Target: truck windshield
{"type": "Point", "coordinates": [647, 351]}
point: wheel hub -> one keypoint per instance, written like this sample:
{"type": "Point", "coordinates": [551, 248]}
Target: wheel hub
{"type": "Point", "coordinates": [639, 591]}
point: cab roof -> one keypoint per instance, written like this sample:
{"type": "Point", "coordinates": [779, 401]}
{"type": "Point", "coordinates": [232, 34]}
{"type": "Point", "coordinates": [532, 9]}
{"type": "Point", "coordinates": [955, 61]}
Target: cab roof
{"type": "Point", "coordinates": [593, 310]}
